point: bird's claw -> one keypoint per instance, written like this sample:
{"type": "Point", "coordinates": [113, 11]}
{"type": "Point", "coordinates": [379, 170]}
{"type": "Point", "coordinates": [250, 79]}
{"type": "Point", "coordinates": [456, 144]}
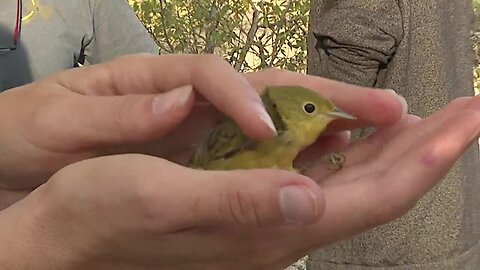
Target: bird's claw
{"type": "Point", "coordinates": [337, 160]}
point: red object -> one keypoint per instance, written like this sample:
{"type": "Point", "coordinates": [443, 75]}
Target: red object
{"type": "Point", "coordinates": [17, 25]}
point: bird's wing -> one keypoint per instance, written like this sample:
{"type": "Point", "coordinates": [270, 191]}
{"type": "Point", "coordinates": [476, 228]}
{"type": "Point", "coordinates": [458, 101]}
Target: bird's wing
{"type": "Point", "coordinates": [225, 141]}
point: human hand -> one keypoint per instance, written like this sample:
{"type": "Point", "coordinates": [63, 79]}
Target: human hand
{"type": "Point", "coordinates": [141, 212]}
{"type": "Point", "coordinates": [387, 173]}
{"type": "Point", "coordinates": [371, 107]}
{"type": "Point", "coordinates": [162, 215]}
{"type": "Point", "coordinates": [82, 112]}
{"type": "Point", "coordinates": [107, 109]}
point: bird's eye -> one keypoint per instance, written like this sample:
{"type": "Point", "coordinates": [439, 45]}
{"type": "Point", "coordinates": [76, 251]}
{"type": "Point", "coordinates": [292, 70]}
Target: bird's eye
{"type": "Point", "coordinates": [309, 108]}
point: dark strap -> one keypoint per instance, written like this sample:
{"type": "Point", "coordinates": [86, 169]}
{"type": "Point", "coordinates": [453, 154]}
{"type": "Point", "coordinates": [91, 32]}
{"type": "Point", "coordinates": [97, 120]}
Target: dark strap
{"type": "Point", "coordinates": [81, 56]}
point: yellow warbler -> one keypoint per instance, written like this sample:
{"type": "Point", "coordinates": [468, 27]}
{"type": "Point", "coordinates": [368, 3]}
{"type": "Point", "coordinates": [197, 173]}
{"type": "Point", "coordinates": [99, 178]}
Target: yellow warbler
{"type": "Point", "coordinates": [300, 115]}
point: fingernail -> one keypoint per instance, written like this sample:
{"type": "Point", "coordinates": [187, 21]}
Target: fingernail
{"type": "Point", "coordinates": [265, 117]}
{"type": "Point", "coordinates": [163, 103]}
{"type": "Point", "coordinates": [298, 205]}
{"type": "Point", "coordinates": [402, 100]}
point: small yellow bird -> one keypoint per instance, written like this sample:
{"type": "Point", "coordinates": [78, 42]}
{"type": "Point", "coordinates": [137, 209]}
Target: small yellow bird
{"type": "Point", "coordinates": [300, 115]}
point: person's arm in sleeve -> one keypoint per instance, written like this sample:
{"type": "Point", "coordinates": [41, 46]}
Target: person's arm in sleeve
{"type": "Point", "coordinates": [117, 31]}
{"type": "Point", "coordinates": [355, 39]}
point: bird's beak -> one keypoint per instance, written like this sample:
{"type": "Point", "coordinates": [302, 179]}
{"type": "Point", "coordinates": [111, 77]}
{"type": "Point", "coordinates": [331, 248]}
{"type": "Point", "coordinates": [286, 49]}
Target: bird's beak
{"type": "Point", "coordinates": [340, 114]}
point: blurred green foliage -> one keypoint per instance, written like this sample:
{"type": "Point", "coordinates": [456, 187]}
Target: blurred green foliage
{"type": "Point", "coordinates": [250, 35]}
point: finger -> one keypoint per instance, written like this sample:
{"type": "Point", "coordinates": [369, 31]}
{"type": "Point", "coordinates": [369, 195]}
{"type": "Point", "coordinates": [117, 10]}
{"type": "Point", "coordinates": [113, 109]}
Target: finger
{"type": "Point", "coordinates": [397, 146]}
{"type": "Point", "coordinates": [105, 121]}
{"type": "Point", "coordinates": [179, 144]}
{"type": "Point", "coordinates": [372, 110]}
{"type": "Point", "coordinates": [382, 197]}
{"type": "Point", "coordinates": [431, 158]}
{"type": "Point", "coordinates": [370, 150]}
{"type": "Point", "coordinates": [324, 145]}
{"type": "Point", "coordinates": [372, 107]}
{"type": "Point", "coordinates": [359, 151]}
{"type": "Point", "coordinates": [217, 81]}
{"type": "Point", "coordinates": [364, 149]}
{"type": "Point", "coordinates": [249, 198]}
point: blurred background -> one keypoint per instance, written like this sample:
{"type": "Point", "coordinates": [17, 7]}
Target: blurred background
{"type": "Point", "coordinates": [476, 45]}
{"type": "Point", "coordinates": [249, 34]}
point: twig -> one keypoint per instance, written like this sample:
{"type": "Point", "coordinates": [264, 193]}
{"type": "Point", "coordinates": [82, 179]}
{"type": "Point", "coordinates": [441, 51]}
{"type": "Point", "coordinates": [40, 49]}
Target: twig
{"type": "Point", "coordinates": [164, 27]}
{"type": "Point", "coordinates": [209, 44]}
{"type": "Point", "coordinates": [250, 37]}
{"type": "Point", "coordinates": [194, 33]}
{"type": "Point", "coordinates": [275, 46]}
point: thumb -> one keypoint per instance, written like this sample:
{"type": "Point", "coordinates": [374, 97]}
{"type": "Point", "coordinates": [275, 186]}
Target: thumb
{"type": "Point", "coordinates": [95, 121]}
{"type": "Point", "coordinates": [258, 198]}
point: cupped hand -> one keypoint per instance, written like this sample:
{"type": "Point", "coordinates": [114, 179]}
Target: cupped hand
{"type": "Point", "coordinates": [82, 112]}
{"type": "Point", "coordinates": [125, 106]}
{"type": "Point", "coordinates": [142, 212]}
{"type": "Point", "coordinates": [371, 107]}
{"type": "Point", "coordinates": [386, 174]}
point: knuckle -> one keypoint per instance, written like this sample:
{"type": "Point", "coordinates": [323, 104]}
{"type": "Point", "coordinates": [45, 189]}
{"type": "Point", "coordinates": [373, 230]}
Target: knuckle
{"type": "Point", "coordinates": [211, 60]}
{"type": "Point", "coordinates": [45, 120]}
{"type": "Point", "coordinates": [132, 117]}
{"type": "Point", "coordinates": [470, 116]}
{"type": "Point", "coordinates": [274, 72]}
{"type": "Point", "coordinates": [120, 112]}
{"type": "Point", "coordinates": [204, 64]}
{"type": "Point", "coordinates": [238, 208]}
{"type": "Point", "coordinates": [460, 101]}
{"type": "Point", "coordinates": [47, 109]}
{"type": "Point", "coordinates": [141, 196]}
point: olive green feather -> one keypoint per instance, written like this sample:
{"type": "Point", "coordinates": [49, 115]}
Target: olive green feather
{"type": "Point", "coordinates": [299, 114]}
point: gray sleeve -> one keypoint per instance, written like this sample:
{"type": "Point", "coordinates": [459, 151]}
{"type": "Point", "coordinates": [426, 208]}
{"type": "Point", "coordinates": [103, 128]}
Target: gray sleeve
{"type": "Point", "coordinates": [355, 39]}
{"type": "Point", "coordinates": [117, 31]}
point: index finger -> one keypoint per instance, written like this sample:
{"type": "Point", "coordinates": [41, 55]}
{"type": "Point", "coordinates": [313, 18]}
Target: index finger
{"type": "Point", "coordinates": [375, 107]}
{"type": "Point", "coordinates": [215, 79]}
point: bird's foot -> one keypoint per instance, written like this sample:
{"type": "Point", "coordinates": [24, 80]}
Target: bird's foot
{"type": "Point", "coordinates": [336, 160]}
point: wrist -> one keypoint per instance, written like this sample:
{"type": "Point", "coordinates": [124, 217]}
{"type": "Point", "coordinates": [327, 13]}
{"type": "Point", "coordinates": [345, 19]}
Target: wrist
{"type": "Point", "coordinates": [31, 240]}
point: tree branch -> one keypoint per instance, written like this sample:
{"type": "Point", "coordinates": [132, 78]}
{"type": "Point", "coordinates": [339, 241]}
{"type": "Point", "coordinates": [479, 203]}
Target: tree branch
{"type": "Point", "coordinates": [209, 44]}
{"type": "Point", "coordinates": [194, 33]}
{"type": "Point", "coordinates": [250, 37]}
{"type": "Point", "coordinates": [164, 27]}
{"type": "Point", "coordinates": [275, 46]}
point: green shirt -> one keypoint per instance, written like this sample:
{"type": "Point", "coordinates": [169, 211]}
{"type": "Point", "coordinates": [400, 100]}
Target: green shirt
{"type": "Point", "coordinates": [53, 35]}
